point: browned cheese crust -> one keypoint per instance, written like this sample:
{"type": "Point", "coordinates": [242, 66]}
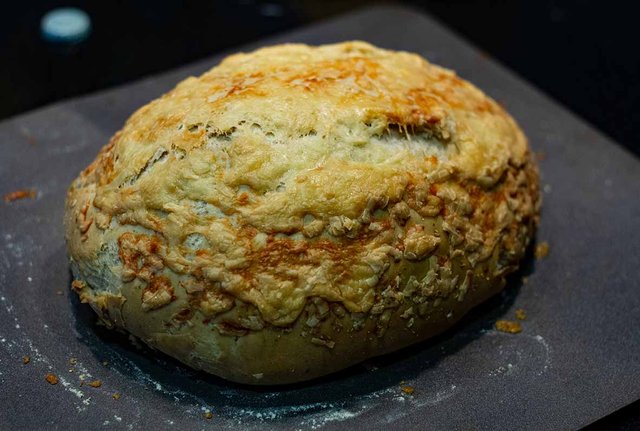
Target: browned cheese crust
{"type": "Point", "coordinates": [299, 209]}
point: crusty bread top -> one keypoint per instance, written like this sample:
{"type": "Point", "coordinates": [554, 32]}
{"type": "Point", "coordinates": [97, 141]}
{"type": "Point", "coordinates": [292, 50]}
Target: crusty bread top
{"type": "Point", "coordinates": [257, 176]}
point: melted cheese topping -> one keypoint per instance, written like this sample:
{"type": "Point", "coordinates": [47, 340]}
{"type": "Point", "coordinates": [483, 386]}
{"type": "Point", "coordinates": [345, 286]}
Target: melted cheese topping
{"type": "Point", "coordinates": [268, 178]}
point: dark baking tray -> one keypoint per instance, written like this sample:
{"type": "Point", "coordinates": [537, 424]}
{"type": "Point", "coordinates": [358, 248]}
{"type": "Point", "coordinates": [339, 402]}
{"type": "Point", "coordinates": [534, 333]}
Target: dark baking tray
{"type": "Point", "coordinates": [577, 359]}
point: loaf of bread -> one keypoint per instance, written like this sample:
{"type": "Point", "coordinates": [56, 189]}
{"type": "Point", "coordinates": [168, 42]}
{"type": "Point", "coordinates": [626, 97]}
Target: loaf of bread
{"type": "Point", "coordinates": [298, 209]}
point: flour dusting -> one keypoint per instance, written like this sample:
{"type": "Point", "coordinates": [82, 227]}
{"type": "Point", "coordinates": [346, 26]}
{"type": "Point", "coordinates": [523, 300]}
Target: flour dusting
{"type": "Point", "coordinates": [547, 348]}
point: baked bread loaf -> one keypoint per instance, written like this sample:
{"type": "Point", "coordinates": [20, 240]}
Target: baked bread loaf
{"type": "Point", "coordinates": [299, 209]}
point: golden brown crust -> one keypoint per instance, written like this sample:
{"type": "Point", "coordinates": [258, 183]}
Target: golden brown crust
{"type": "Point", "coordinates": [296, 210]}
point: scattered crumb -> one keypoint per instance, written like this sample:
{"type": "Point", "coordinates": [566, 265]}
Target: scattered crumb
{"type": "Point", "coordinates": [408, 390]}
{"type": "Point", "coordinates": [116, 396]}
{"type": "Point", "coordinates": [525, 280]}
{"type": "Point", "coordinates": [59, 292]}
{"type": "Point", "coordinates": [95, 383]}
{"type": "Point", "coordinates": [208, 414]}
{"type": "Point", "coordinates": [520, 314]}
{"type": "Point", "coordinates": [508, 326]}
{"type": "Point", "coordinates": [105, 363]}
{"type": "Point", "coordinates": [542, 250]}
{"type": "Point", "coordinates": [19, 194]}
{"type": "Point", "coordinates": [71, 370]}
{"type": "Point", "coordinates": [26, 359]}
{"type": "Point", "coordinates": [73, 361]}
{"type": "Point", "coordinates": [52, 379]}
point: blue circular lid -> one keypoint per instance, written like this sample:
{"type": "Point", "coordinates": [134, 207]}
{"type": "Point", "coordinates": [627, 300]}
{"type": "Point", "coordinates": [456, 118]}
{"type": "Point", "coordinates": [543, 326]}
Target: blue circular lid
{"type": "Point", "coordinates": [65, 25]}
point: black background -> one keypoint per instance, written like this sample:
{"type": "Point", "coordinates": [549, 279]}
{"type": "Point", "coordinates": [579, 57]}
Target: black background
{"type": "Point", "coordinates": [584, 54]}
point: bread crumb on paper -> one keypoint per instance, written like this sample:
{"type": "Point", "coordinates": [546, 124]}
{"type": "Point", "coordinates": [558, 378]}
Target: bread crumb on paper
{"type": "Point", "coordinates": [26, 359]}
{"type": "Point", "coordinates": [508, 326]}
{"type": "Point", "coordinates": [521, 314]}
{"type": "Point", "coordinates": [542, 250]}
{"type": "Point", "coordinates": [116, 396]}
{"type": "Point", "coordinates": [208, 414]}
{"type": "Point", "coordinates": [52, 379]}
{"type": "Point", "coordinates": [19, 194]}
{"type": "Point", "coordinates": [95, 383]}
{"type": "Point", "coordinates": [409, 390]}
